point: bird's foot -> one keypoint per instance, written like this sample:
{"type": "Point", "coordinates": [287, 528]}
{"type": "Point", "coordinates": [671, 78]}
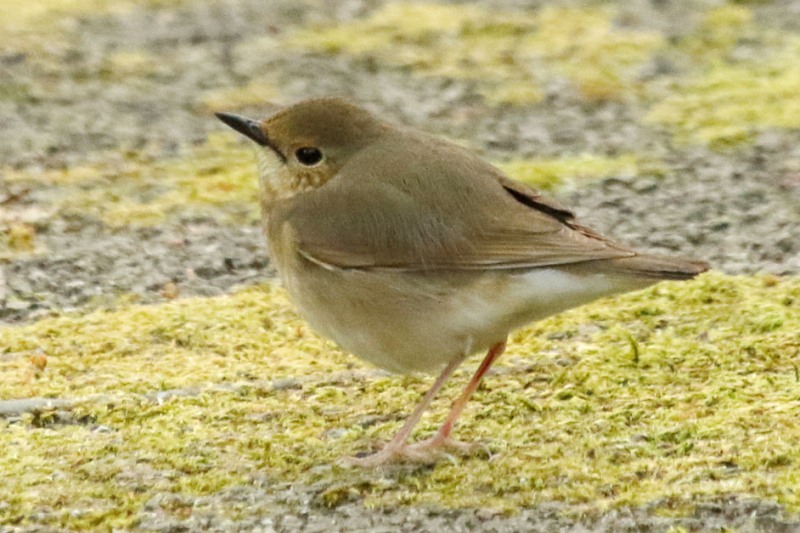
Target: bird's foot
{"type": "Point", "coordinates": [427, 451]}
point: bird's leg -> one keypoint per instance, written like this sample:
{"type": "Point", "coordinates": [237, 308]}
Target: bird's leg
{"type": "Point", "coordinates": [397, 447]}
{"type": "Point", "coordinates": [441, 440]}
{"type": "Point", "coordinates": [429, 449]}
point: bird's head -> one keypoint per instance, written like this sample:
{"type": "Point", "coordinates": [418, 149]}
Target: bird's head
{"type": "Point", "coordinates": [304, 146]}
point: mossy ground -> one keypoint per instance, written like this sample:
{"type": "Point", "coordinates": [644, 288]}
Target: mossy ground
{"type": "Point", "coordinates": [216, 180]}
{"type": "Point", "coordinates": [666, 398]}
{"type": "Point", "coordinates": [24, 23]}
{"type": "Point", "coordinates": [675, 394]}
{"type": "Point", "coordinates": [730, 103]}
{"type": "Point", "coordinates": [508, 54]}
{"type": "Point", "coordinates": [513, 56]}
{"type": "Point", "coordinates": [552, 174]}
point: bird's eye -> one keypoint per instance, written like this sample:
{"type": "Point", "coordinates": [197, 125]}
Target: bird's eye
{"type": "Point", "coordinates": [308, 155]}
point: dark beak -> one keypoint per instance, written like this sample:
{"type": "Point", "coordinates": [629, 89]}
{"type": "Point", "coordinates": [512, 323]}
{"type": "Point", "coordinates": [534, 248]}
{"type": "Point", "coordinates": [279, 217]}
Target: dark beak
{"type": "Point", "coordinates": [247, 127]}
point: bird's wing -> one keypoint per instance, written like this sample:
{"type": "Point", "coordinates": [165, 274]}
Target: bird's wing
{"type": "Point", "coordinates": [467, 217]}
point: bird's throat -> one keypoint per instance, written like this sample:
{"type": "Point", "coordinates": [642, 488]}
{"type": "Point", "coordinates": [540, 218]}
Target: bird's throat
{"type": "Point", "coordinates": [274, 179]}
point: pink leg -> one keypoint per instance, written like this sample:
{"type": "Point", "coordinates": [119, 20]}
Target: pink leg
{"type": "Point", "coordinates": [427, 450]}
{"type": "Point", "coordinates": [447, 426]}
{"type": "Point", "coordinates": [396, 447]}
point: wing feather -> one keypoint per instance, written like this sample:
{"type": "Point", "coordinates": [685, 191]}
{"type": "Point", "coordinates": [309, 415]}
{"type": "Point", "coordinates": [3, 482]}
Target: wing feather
{"type": "Point", "coordinates": [469, 216]}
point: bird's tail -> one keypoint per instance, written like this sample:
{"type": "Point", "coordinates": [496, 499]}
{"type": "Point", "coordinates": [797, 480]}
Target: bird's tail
{"type": "Point", "coordinates": [657, 267]}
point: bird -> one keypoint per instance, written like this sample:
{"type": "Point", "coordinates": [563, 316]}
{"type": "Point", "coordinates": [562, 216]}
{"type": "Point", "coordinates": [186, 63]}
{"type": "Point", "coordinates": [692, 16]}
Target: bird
{"type": "Point", "coordinates": [413, 253]}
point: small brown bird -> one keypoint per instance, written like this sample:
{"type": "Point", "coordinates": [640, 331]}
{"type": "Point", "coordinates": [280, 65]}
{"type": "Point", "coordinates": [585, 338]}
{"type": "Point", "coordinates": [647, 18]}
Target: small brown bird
{"type": "Point", "coordinates": [412, 253]}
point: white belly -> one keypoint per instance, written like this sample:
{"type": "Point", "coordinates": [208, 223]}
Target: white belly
{"type": "Point", "coordinates": [418, 322]}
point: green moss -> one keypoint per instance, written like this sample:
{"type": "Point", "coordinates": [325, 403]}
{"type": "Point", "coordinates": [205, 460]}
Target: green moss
{"type": "Point", "coordinates": [254, 93]}
{"type": "Point", "coordinates": [219, 179]}
{"type": "Point", "coordinates": [730, 103]}
{"type": "Point", "coordinates": [16, 239]}
{"type": "Point", "coordinates": [507, 54]}
{"type": "Point", "coordinates": [718, 32]}
{"type": "Point", "coordinates": [550, 174]}
{"type": "Point", "coordinates": [105, 352]}
{"type": "Point", "coordinates": [583, 44]}
{"type": "Point", "coordinates": [465, 42]}
{"type": "Point", "coordinates": [29, 25]}
{"type": "Point", "coordinates": [215, 179]}
{"type": "Point", "coordinates": [726, 100]}
{"type": "Point", "coordinates": [128, 64]}
{"type": "Point", "coordinates": [14, 91]}
{"type": "Point", "coordinates": [707, 409]}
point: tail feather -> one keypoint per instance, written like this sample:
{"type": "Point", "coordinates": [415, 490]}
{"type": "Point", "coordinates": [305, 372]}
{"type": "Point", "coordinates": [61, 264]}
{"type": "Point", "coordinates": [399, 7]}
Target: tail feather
{"type": "Point", "coordinates": [658, 267]}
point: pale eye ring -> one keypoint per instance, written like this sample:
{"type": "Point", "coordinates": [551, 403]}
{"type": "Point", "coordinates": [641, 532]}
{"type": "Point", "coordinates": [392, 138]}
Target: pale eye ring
{"type": "Point", "coordinates": [308, 155]}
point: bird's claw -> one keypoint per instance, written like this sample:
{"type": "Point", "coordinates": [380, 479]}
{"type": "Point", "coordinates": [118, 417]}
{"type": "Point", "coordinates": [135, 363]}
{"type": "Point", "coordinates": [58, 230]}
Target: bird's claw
{"type": "Point", "coordinates": [424, 452]}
